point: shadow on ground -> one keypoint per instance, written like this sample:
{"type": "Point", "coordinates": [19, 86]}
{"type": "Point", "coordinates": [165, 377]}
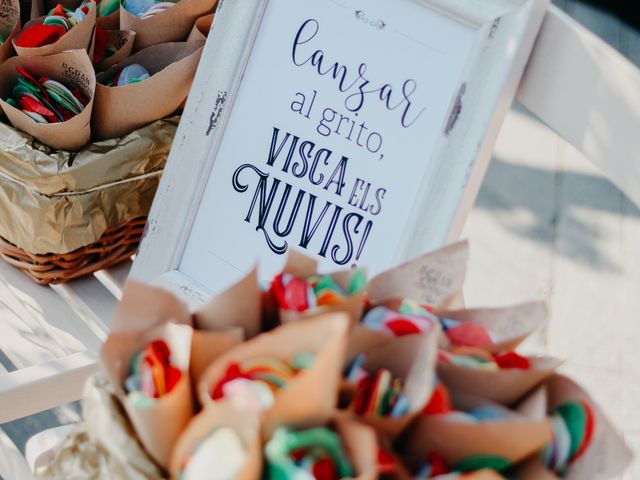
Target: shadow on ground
{"type": "Point", "coordinates": [551, 201]}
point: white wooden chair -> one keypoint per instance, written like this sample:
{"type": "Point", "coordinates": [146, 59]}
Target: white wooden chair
{"type": "Point", "coordinates": [582, 88]}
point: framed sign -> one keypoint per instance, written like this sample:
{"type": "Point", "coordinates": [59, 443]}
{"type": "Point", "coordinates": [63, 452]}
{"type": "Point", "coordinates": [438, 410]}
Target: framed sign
{"type": "Point", "coordinates": [355, 130]}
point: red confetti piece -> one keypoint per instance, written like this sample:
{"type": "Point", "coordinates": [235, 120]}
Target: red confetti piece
{"type": "Point", "coordinates": [233, 372]}
{"type": "Point", "coordinates": [469, 335]}
{"type": "Point", "coordinates": [100, 45]}
{"type": "Point", "coordinates": [387, 463]}
{"type": "Point", "coordinates": [325, 469]}
{"type": "Point", "coordinates": [402, 326]}
{"type": "Point", "coordinates": [438, 465]}
{"type": "Point", "coordinates": [512, 360]}
{"type": "Point", "coordinates": [588, 433]}
{"type": "Point", "coordinates": [29, 104]}
{"type": "Point", "coordinates": [439, 402]}
{"type": "Point", "coordinates": [40, 35]}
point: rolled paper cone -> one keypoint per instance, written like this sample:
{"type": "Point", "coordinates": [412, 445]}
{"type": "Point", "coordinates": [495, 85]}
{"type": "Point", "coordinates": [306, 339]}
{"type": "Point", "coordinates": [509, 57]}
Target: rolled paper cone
{"type": "Point", "coordinates": [120, 110]}
{"type": "Point", "coordinates": [311, 396]}
{"type": "Point", "coordinates": [171, 25]}
{"type": "Point", "coordinates": [9, 26]}
{"type": "Point", "coordinates": [532, 470]}
{"type": "Point", "coordinates": [510, 325]}
{"type": "Point", "coordinates": [360, 445]}
{"type": "Point", "coordinates": [430, 279]}
{"type": "Point", "coordinates": [363, 340]}
{"type": "Point", "coordinates": [514, 438]}
{"type": "Point", "coordinates": [608, 456]}
{"type": "Point", "coordinates": [504, 386]}
{"type": "Point", "coordinates": [411, 358]}
{"type": "Point", "coordinates": [353, 305]}
{"type": "Point", "coordinates": [123, 39]}
{"type": "Point", "coordinates": [74, 70]}
{"type": "Point", "coordinates": [535, 405]}
{"type": "Point", "coordinates": [159, 426]}
{"type": "Point", "coordinates": [143, 307]}
{"type": "Point", "coordinates": [42, 7]}
{"type": "Point", "coordinates": [77, 38]}
{"type": "Point", "coordinates": [207, 346]}
{"type": "Point", "coordinates": [300, 265]}
{"type": "Point", "coordinates": [201, 28]}
{"type": "Point", "coordinates": [238, 306]}
{"type": "Point", "coordinates": [245, 424]}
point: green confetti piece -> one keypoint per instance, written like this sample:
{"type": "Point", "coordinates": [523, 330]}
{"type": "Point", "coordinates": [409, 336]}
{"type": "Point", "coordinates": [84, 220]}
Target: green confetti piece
{"type": "Point", "coordinates": [358, 282]}
{"type": "Point", "coordinates": [481, 462]}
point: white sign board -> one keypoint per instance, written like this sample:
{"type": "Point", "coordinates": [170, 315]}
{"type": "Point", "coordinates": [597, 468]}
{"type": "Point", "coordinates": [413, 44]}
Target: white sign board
{"type": "Point", "coordinates": [344, 128]}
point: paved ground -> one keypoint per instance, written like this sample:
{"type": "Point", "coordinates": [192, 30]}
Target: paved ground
{"type": "Point", "coordinates": [548, 225]}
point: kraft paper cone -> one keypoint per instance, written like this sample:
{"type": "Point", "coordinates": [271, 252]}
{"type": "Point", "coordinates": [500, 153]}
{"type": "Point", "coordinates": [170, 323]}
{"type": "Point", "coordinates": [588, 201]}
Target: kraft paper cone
{"type": "Point", "coordinates": [532, 470]}
{"type": "Point", "coordinates": [206, 347]}
{"type": "Point", "coordinates": [9, 26]}
{"type": "Point", "coordinates": [430, 279]}
{"type": "Point", "coordinates": [78, 38]}
{"type": "Point", "coordinates": [201, 28]}
{"type": "Point", "coordinates": [309, 398]}
{"type": "Point", "coordinates": [242, 422]}
{"type": "Point", "coordinates": [302, 266]}
{"type": "Point", "coordinates": [608, 456]}
{"type": "Point", "coordinates": [172, 25]}
{"type": "Point", "coordinates": [509, 326]}
{"type": "Point", "coordinates": [360, 444]}
{"type": "Point", "coordinates": [143, 307]}
{"type": "Point", "coordinates": [120, 110]}
{"type": "Point", "coordinates": [515, 438]}
{"type": "Point", "coordinates": [42, 7]}
{"type": "Point", "coordinates": [71, 68]}
{"type": "Point", "coordinates": [411, 358]}
{"type": "Point", "coordinates": [504, 386]}
{"type": "Point", "coordinates": [123, 40]}
{"type": "Point", "coordinates": [160, 425]}
{"type": "Point", "coordinates": [238, 306]}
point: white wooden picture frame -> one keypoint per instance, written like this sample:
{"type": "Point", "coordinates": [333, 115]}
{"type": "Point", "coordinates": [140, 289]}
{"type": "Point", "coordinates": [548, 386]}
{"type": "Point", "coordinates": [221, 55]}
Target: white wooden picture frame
{"type": "Point", "coordinates": [193, 215]}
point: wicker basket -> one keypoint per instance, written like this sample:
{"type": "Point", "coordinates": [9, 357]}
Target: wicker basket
{"type": "Point", "coordinates": [64, 215]}
{"type": "Point", "coordinates": [116, 245]}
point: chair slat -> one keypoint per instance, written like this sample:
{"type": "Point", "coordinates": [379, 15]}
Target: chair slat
{"type": "Point", "coordinates": [34, 389]}
{"type": "Point", "coordinates": [589, 94]}
{"type": "Point", "coordinates": [12, 464]}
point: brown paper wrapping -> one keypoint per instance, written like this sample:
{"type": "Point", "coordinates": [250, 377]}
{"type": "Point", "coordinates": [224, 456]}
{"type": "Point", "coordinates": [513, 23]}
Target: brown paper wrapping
{"type": "Point", "coordinates": [159, 426]}
{"type": "Point", "coordinates": [104, 446]}
{"type": "Point", "coordinates": [70, 199]}
{"type": "Point", "coordinates": [309, 398]}
{"type": "Point", "coordinates": [509, 326]}
{"type": "Point", "coordinates": [302, 266]}
{"type": "Point", "coordinates": [608, 456]}
{"type": "Point", "coordinates": [532, 470]}
{"type": "Point", "coordinates": [245, 424]}
{"type": "Point", "coordinates": [9, 26]}
{"type": "Point", "coordinates": [514, 438]}
{"type": "Point", "coordinates": [430, 279]}
{"type": "Point", "coordinates": [411, 358]}
{"type": "Point", "coordinates": [72, 68]}
{"type": "Point", "coordinates": [208, 346]}
{"type": "Point", "coordinates": [145, 307]}
{"type": "Point", "coordinates": [238, 306]}
{"type": "Point", "coordinates": [504, 386]}
{"type": "Point", "coordinates": [200, 30]}
{"type": "Point", "coordinates": [120, 110]}
{"type": "Point", "coordinates": [124, 40]}
{"type": "Point", "coordinates": [172, 25]}
{"type": "Point", "coordinates": [360, 444]}
{"type": "Point", "coordinates": [78, 38]}
{"type": "Point", "coordinates": [42, 7]}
